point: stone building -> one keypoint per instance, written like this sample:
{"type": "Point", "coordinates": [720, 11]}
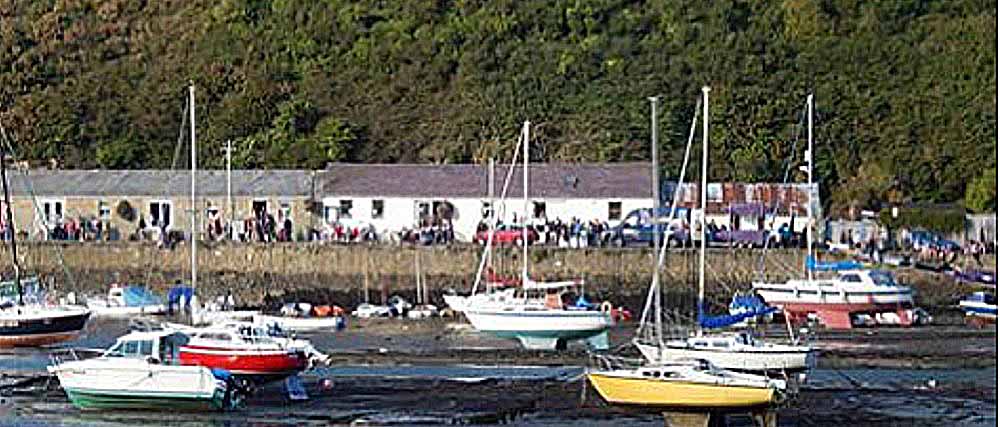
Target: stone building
{"type": "Point", "coordinates": [122, 200]}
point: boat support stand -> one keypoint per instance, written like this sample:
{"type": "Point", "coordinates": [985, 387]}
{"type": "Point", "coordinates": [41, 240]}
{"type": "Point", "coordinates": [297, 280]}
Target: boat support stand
{"type": "Point", "coordinates": [761, 418]}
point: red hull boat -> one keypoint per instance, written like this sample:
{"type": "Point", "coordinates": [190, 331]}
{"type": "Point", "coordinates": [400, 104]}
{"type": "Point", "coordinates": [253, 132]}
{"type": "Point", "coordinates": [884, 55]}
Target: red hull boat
{"type": "Point", "coordinates": [243, 353]}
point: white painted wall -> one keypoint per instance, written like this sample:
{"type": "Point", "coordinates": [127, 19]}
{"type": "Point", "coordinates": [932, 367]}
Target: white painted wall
{"type": "Point", "coordinates": [400, 212]}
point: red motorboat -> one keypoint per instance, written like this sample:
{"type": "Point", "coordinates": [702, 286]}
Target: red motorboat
{"type": "Point", "coordinates": [245, 351]}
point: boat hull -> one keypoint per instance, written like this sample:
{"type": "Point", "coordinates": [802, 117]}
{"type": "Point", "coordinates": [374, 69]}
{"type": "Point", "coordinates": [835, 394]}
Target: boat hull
{"type": "Point", "coordinates": [257, 364]}
{"type": "Point", "coordinates": [34, 331]}
{"type": "Point", "coordinates": [300, 324]}
{"type": "Point", "coordinates": [744, 361]}
{"type": "Point", "coordinates": [543, 329]}
{"type": "Point", "coordinates": [679, 394]}
{"type": "Point", "coordinates": [127, 311]}
{"type": "Point", "coordinates": [86, 399]}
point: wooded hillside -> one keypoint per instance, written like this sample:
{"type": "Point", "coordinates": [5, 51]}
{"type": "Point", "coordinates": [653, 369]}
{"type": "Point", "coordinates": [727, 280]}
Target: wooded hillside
{"type": "Point", "coordinates": [905, 89]}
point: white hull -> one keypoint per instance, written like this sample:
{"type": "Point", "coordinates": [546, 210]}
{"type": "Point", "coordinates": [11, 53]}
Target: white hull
{"type": "Point", "coordinates": [129, 376]}
{"type": "Point", "coordinates": [542, 329]}
{"type": "Point", "coordinates": [299, 323]}
{"type": "Point", "coordinates": [749, 360]}
{"type": "Point", "coordinates": [119, 311]}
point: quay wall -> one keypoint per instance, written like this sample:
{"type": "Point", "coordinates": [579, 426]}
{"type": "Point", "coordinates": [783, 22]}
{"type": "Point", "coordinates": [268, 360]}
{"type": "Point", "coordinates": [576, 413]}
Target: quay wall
{"type": "Point", "coordinates": [327, 273]}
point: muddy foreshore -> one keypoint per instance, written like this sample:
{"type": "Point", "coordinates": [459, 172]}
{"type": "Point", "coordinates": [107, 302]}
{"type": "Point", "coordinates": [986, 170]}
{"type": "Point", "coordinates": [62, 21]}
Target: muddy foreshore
{"type": "Point", "coordinates": [440, 372]}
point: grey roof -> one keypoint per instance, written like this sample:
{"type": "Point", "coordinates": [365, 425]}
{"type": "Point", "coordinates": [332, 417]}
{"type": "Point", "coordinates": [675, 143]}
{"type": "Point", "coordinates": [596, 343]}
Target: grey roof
{"type": "Point", "coordinates": [546, 180]}
{"type": "Point", "coordinates": [116, 183]}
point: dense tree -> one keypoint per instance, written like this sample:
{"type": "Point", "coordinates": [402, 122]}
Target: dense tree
{"type": "Point", "coordinates": [905, 88]}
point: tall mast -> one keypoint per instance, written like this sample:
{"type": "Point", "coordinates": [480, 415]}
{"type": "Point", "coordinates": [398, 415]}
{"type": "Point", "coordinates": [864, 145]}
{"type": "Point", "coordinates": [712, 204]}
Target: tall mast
{"type": "Point", "coordinates": [229, 188]}
{"type": "Point", "coordinates": [524, 219]}
{"type": "Point", "coordinates": [704, 195]}
{"type": "Point", "coordinates": [194, 206]}
{"type": "Point", "coordinates": [491, 186]}
{"type": "Point", "coordinates": [10, 226]}
{"type": "Point", "coordinates": [655, 155]}
{"type": "Point", "coordinates": [809, 201]}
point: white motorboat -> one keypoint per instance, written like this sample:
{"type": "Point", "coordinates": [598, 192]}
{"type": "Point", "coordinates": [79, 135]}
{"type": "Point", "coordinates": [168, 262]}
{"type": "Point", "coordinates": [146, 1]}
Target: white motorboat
{"type": "Point", "coordinates": [142, 370]}
{"type": "Point", "coordinates": [301, 324]}
{"type": "Point", "coordinates": [835, 300]}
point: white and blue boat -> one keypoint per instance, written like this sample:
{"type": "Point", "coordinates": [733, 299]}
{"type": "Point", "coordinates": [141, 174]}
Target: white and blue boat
{"type": "Point", "coordinates": [980, 306]}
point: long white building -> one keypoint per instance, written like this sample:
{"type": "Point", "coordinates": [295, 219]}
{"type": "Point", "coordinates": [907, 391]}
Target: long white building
{"type": "Point", "coordinates": [392, 197]}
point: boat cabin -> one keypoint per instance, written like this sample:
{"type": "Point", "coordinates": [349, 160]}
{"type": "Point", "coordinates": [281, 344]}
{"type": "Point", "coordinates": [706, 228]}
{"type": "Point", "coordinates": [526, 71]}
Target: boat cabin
{"type": "Point", "coordinates": [867, 277]}
{"type": "Point", "coordinates": [160, 347]}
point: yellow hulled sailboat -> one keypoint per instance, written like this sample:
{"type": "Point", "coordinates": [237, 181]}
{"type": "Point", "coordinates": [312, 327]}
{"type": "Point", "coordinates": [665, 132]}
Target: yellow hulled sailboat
{"type": "Point", "coordinates": [686, 385]}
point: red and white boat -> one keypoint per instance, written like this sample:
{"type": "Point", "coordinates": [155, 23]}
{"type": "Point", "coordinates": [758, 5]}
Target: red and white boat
{"type": "Point", "coordinates": [835, 301]}
{"type": "Point", "coordinates": [247, 350]}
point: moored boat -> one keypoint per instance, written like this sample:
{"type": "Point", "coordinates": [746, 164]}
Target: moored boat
{"type": "Point", "coordinates": [979, 307]}
{"type": "Point", "coordinates": [686, 385]}
{"type": "Point", "coordinates": [126, 300]}
{"type": "Point", "coordinates": [244, 350]}
{"type": "Point", "coordinates": [736, 351]}
{"type": "Point", "coordinates": [141, 371]}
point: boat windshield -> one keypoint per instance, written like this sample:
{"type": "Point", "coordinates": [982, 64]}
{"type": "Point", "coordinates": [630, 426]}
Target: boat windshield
{"type": "Point", "coordinates": [132, 349]}
{"type": "Point", "coordinates": [883, 278]}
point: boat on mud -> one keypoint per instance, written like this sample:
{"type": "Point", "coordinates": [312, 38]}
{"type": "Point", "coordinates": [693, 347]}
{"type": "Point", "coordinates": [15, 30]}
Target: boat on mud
{"type": "Point", "coordinates": [126, 300]}
{"type": "Point", "coordinates": [980, 308]}
{"type": "Point", "coordinates": [247, 350]}
{"type": "Point", "coordinates": [142, 370]}
{"type": "Point", "coordinates": [304, 317]}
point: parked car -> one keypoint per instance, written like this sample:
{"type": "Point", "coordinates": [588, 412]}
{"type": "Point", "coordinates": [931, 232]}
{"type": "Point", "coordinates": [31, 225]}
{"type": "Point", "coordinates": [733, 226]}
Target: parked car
{"type": "Point", "coordinates": [507, 234]}
{"type": "Point", "coordinates": [637, 228]}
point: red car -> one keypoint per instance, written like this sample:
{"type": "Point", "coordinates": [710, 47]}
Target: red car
{"type": "Point", "coordinates": [506, 234]}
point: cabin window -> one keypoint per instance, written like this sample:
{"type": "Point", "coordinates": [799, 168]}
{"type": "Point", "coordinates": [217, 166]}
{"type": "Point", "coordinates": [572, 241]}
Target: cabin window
{"type": "Point", "coordinates": [720, 344]}
{"type": "Point", "coordinates": [646, 373]}
{"type": "Point", "coordinates": [851, 278]}
{"type": "Point", "coordinates": [700, 344]}
{"type": "Point", "coordinates": [614, 211]}
{"type": "Point", "coordinates": [130, 348]}
{"type": "Point", "coordinates": [146, 348]}
{"type": "Point", "coordinates": [487, 210]}
{"type": "Point", "coordinates": [378, 209]}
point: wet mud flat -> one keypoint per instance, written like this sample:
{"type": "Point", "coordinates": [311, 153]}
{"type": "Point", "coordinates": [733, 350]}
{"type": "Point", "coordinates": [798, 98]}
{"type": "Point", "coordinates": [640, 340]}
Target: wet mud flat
{"type": "Point", "coordinates": [440, 372]}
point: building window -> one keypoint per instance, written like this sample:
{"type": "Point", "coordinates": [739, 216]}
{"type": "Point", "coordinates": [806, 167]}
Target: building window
{"type": "Point", "coordinates": [160, 214]}
{"type": "Point", "coordinates": [52, 211]}
{"type": "Point", "coordinates": [378, 209]}
{"type": "Point", "coordinates": [345, 208]}
{"type": "Point", "coordinates": [103, 210]}
{"type": "Point", "coordinates": [286, 209]}
{"type": "Point", "coordinates": [259, 208]}
{"type": "Point", "coordinates": [714, 193]}
{"type": "Point", "coordinates": [614, 211]}
{"type": "Point", "coordinates": [487, 210]}
{"type": "Point", "coordinates": [539, 210]}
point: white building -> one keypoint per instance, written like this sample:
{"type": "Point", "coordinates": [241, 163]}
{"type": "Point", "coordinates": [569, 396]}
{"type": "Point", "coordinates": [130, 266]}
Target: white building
{"type": "Point", "coordinates": [392, 197]}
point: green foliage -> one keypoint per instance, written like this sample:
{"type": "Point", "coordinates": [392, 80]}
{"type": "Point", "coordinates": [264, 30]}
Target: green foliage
{"type": "Point", "coordinates": [901, 111]}
{"type": "Point", "coordinates": [929, 218]}
{"type": "Point", "coordinates": [981, 194]}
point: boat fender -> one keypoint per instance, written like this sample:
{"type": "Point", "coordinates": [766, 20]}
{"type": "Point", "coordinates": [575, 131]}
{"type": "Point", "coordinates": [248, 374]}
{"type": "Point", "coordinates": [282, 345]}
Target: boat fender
{"type": "Point", "coordinates": [606, 307]}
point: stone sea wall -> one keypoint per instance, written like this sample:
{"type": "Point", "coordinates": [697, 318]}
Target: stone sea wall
{"type": "Point", "coordinates": [339, 274]}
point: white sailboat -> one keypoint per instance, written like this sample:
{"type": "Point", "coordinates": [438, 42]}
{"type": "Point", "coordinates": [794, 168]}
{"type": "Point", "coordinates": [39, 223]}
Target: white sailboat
{"type": "Point", "coordinates": [534, 314]}
{"type": "Point", "coordinates": [734, 350]}
{"type": "Point", "coordinates": [852, 291]}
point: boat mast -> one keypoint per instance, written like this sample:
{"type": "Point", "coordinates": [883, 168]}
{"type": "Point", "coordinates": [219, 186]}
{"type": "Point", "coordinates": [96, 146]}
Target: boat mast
{"type": "Point", "coordinates": [655, 155]}
{"type": "Point", "coordinates": [10, 226]}
{"type": "Point", "coordinates": [194, 206]}
{"type": "Point", "coordinates": [704, 195]}
{"type": "Point", "coordinates": [491, 189]}
{"type": "Point", "coordinates": [524, 219]}
{"type": "Point", "coordinates": [809, 203]}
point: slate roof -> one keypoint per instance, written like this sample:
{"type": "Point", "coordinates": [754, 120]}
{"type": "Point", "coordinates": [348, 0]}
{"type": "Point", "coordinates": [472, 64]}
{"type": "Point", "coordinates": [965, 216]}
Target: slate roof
{"type": "Point", "coordinates": [546, 180]}
{"type": "Point", "coordinates": [165, 183]}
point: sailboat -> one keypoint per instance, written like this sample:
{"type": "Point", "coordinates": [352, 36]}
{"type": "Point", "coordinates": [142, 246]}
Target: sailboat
{"type": "Point", "coordinates": [852, 291]}
{"type": "Point", "coordinates": [33, 324]}
{"type": "Point", "coordinates": [741, 351]}
{"type": "Point", "coordinates": [534, 313]}
{"type": "Point", "coordinates": [684, 382]}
